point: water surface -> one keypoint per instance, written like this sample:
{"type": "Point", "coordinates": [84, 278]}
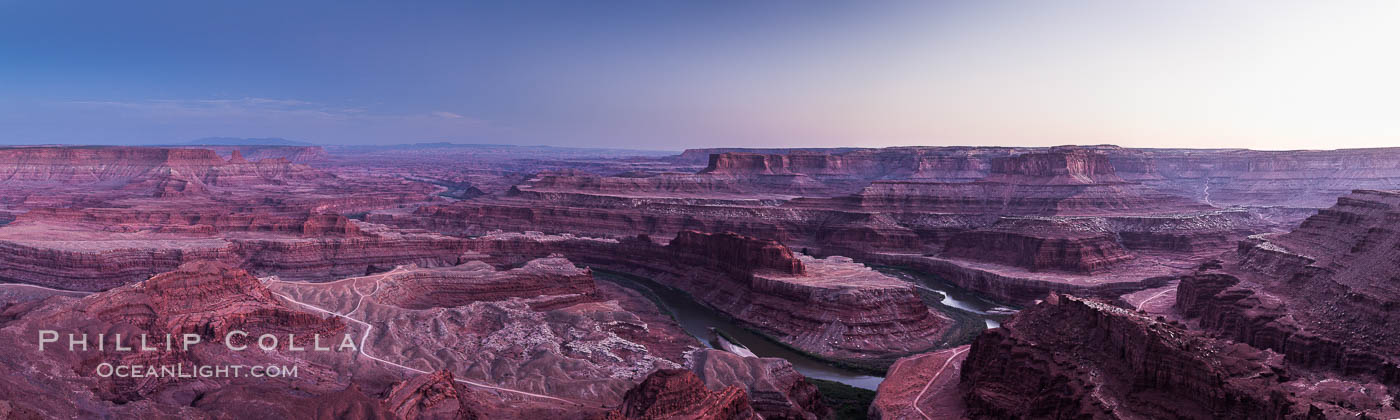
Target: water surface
{"type": "Point", "coordinates": [697, 319]}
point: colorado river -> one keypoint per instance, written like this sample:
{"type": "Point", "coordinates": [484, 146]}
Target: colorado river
{"type": "Point", "coordinates": [954, 297]}
{"type": "Point", "coordinates": [697, 319]}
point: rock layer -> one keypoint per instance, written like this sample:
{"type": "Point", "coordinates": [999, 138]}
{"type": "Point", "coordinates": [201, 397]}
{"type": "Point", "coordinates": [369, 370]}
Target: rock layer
{"type": "Point", "coordinates": [679, 394]}
{"type": "Point", "coordinates": [775, 389]}
{"type": "Point", "coordinates": [1323, 295]}
{"type": "Point", "coordinates": [1070, 357]}
{"type": "Point", "coordinates": [836, 308]}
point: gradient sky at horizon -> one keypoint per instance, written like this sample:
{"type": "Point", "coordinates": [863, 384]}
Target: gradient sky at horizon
{"type": "Point", "coordinates": [658, 74]}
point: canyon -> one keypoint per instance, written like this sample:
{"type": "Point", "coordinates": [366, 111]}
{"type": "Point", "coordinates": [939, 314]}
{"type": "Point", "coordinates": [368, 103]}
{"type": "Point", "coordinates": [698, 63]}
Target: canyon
{"type": "Point", "coordinates": [476, 281]}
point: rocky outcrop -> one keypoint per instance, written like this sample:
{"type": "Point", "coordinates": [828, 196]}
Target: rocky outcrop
{"type": "Point", "coordinates": [329, 257]}
{"type": "Point", "coordinates": [103, 265]}
{"type": "Point", "coordinates": [82, 259]}
{"type": "Point", "coordinates": [195, 221]}
{"type": "Point", "coordinates": [922, 386]}
{"type": "Point", "coordinates": [734, 253]}
{"type": "Point", "coordinates": [206, 298]}
{"type": "Point", "coordinates": [517, 328]}
{"type": "Point", "coordinates": [853, 168]}
{"type": "Point", "coordinates": [679, 394]}
{"type": "Point", "coordinates": [1080, 246]}
{"type": "Point", "coordinates": [756, 164]}
{"type": "Point", "coordinates": [836, 309]}
{"type": "Point", "coordinates": [98, 164]}
{"type": "Point", "coordinates": [1225, 177]}
{"type": "Point", "coordinates": [1295, 178]}
{"type": "Point", "coordinates": [170, 172]}
{"type": "Point", "coordinates": [432, 396]}
{"type": "Point", "coordinates": [586, 187]}
{"type": "Point", "coordinates": [1071, 166]}
{"type": "Point", "coordinates": [423, 288]}
{"type": "Point", "coordinates": [1323, 295]}
{"type": "Point", "coordinates": [775, 389]}
{"type": "Point", "coordinates": [294, 154]}
{"type": "Point", "coordinates": [1060, 182]}
{"type": "Point", "coordinates": [147, 324]}
{"type": "Point", "coordinates": [1078, 358]}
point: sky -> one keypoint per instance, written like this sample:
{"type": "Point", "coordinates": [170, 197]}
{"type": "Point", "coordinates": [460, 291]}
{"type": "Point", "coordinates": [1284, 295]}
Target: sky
{"type": "Point", "coordinates": [670, 74]}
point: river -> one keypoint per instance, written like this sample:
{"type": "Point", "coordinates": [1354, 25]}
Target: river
{"type": "Point", "coordinates": [952, 297]}
{"type": "Point", "coordinates": [698, 319]}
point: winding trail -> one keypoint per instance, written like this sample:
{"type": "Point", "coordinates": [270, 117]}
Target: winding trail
{"type": "Point", "coordinates": [363, 338]}
{"type": "Point", "coordinates": [47, 288]}
{"type": "Point", "coordinates": [1153, 297]}
{"type": "Point", "coordinates": [935, 377]}
{"type": "Point", "coordinates": [369, 328]}
{"type": "Point", "coordinates": [1207, 193]}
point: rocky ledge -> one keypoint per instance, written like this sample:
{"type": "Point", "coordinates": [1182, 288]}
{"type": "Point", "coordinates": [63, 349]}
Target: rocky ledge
{"type": "Point", "coordinates": [679, 394]}
{"type": "Point", "coordinates": [1075, 245]}
{"type": "Point", "coordinates": [1080, 358]}
{"type": "Point", "coordinates": [833, 308]}
{"type": "Point", "coordinates": [922, 386]}
{"type": "Point", "coordinates": [1324, 295]}
{"type": "Point", "coordinates": [446, 287]}
{"type": "Point", "coordinates": [775, 389]}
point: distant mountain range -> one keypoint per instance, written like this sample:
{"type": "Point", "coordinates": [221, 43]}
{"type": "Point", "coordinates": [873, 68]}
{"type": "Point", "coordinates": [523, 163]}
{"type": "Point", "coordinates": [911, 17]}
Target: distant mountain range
{"type": "Point", "coordinates": [247, 141]}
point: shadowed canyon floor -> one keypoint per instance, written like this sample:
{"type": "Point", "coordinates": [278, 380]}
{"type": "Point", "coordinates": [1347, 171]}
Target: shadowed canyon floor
{"type": "Point", "coordinates": [461, 281]}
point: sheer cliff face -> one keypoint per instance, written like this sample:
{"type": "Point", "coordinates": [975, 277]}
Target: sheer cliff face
{"type": "Point", "coordinates": [98, 164]}
{"type": "Point", "coordinates": [141, 165]}
{"type": "Point", "coordinates": [1324, 295]}
{"type": "Point", "coordinates": [1070, 357]}
{"type": "Point", "coordinates": [1074, 166]}
{"type": "Point", "coordinates": [1077, 246]}
{"type": "Point", "coordinates": [734, 252]}
{"type": "Point", "coordinates": [207, 298]}
{"type": "Point", "coordinates": [1302, 178]}
{"type": "Point", "coordinates": [1305, 178]}
{"type": "Point", "coordinates": [1059, 182]}
{"type": "Point", "coordinates": [76, 256]}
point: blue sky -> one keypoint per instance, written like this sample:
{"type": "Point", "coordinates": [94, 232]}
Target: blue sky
{"type": "Point", "coordinates": [672, 74]}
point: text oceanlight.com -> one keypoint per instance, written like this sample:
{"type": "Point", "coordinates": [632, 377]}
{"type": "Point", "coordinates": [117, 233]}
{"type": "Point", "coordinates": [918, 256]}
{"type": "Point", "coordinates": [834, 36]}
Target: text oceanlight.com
{"type": "Point", "coordinates": [234, 341]}
{"type": "Point", "coordinates": [108, 370]}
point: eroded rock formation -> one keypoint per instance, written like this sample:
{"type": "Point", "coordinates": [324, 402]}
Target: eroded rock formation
{"type": "Point", "coordinates": [679, 394]}
{"type": "Point", "coordinates": [775, 389]}
{"type": "Point", "coordinates": [922, 386]}
{"type": "Point", "coordinates": [1323, 295]}
{"type": "Point", "coordinates": [433, 396]}
{"type": "Point", "coordinates": [835, 308]}
{"type": "Point", "coordinates": [1081, 246]}
{"type": "Point", "coordinates": [1070, 357]}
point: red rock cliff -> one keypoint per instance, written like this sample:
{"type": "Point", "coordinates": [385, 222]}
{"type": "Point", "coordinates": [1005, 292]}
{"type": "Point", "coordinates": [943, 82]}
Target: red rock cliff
{"type": "Point", "coordinates": [1324, 294]}
{"type": "Point", "coordinates": [735, 252]}
{"type": "Point", "coordinates": [679, 394]}
{"type": "Point", "coordinates": [1058, 166]}
{"type": "Point", "coordinates": [1076, 358]}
